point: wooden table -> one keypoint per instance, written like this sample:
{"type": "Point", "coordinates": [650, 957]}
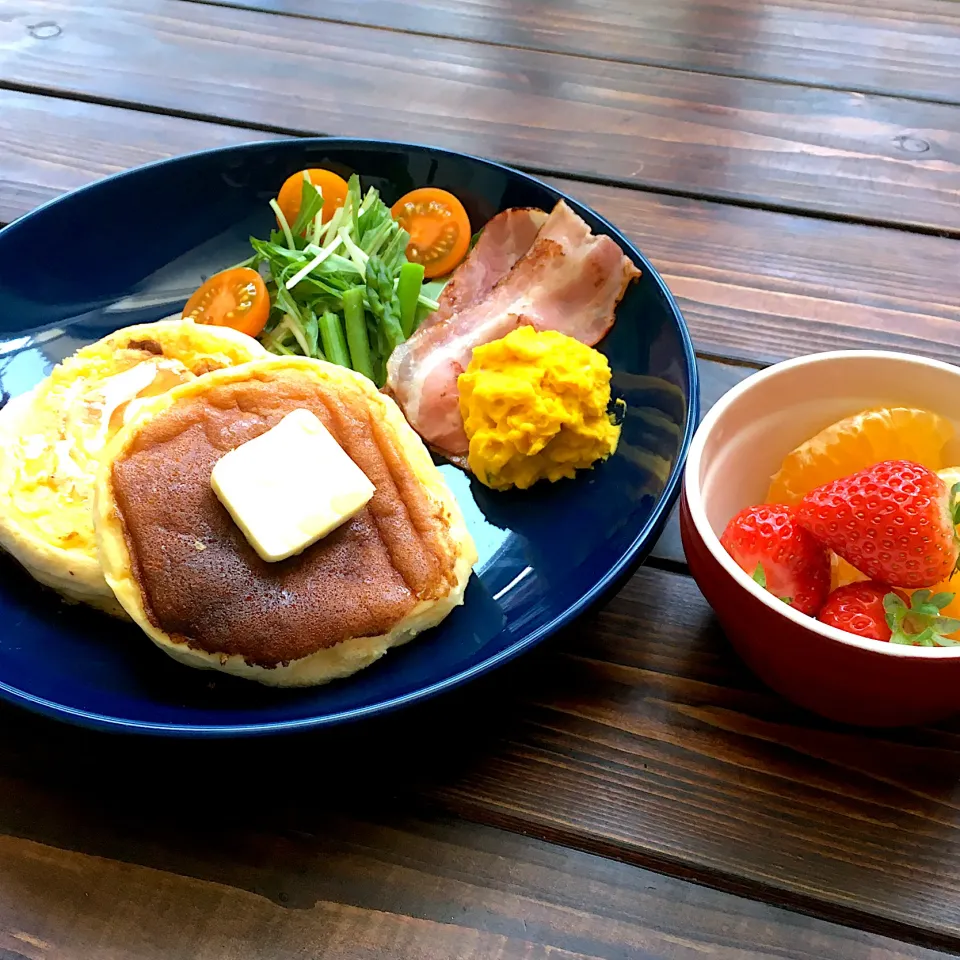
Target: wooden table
{"type": "Point", "coordinates": [628, 790]}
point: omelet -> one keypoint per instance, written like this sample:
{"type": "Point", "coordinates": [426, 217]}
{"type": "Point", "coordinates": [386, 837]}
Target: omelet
{"type": "Point", "coordinates": [186, 572]}
{"type": "Point", "coordinates": [52, 438]}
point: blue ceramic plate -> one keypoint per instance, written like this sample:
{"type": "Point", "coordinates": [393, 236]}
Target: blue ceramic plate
{"type": "Point", "coordinates": [131, 249]}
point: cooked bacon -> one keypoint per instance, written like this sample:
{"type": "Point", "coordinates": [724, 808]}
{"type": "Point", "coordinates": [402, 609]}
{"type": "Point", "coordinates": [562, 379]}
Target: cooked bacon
{"type": "Point", "coordinates": [505, 239]}
{"type": "Point", "coordinates": [569, 280]}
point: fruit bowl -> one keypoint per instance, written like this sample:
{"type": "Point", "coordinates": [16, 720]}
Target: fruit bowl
{"type": "Point", "coordinates": [741, 442]}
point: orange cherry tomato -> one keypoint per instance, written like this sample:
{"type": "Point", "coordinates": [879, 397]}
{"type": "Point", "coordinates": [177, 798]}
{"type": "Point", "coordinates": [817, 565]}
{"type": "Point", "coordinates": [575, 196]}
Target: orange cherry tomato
{"type": "Point", "coordinates": [439, 229]}
{"type": "Point", "coordinates": [236, 298]}
{"type": "Point", "coordinates": [333, 188]}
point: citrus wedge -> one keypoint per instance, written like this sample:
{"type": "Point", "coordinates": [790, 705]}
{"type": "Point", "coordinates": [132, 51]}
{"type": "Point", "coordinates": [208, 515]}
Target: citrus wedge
{"type": "Point", "coordinates": [842, 573]}
{"type": "Point", "coordinates": [857, 442]}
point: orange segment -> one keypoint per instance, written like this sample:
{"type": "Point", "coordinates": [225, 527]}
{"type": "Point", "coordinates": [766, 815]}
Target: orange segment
{"type": "Point", "coordinates": [842, 573]}
{"type": "Point", "coordinates": [857, 442]}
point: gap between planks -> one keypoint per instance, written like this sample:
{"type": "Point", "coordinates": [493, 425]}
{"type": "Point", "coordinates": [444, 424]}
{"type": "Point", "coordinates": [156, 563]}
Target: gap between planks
{"type": "Point", "coordinates": [604, 58]}
{"type": "Point", "coordinates": [536, 170]}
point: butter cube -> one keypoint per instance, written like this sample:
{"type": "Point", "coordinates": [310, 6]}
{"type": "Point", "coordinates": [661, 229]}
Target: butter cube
{"type": "Point", "coordinates": [290, 486]}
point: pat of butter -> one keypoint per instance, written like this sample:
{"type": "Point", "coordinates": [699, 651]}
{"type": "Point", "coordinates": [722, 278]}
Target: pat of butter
{"type": "Point", "coordinates": [290, 486]}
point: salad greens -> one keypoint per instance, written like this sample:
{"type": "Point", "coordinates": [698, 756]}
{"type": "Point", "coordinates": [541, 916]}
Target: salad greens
{"type": "Point", "coordinates": [342, 291]}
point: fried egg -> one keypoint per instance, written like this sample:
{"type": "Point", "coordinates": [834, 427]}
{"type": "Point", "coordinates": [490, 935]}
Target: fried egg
{"type": "Point", "coordinates": [51, 440]}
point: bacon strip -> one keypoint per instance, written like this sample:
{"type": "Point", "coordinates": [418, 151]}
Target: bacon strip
{"type": "Point", "coordinates": [569, 280]}
{"type": "Point", "coordinates": [505, 239]}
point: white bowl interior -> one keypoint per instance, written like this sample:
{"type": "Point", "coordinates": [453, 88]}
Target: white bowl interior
{"type": "Point", "coordinates": [744, 439]}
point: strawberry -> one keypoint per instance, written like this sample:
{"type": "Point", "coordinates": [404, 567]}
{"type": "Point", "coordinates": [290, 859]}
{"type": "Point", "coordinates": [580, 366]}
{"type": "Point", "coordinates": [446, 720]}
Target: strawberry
{"type": "Point", "coordinates": [872, 610]}
{"type": "Point", "coordinates": [858, 608]}
{"type": "Point", "coordinates": [893, 521]}
{"type": "Point", "coordinates": [768, 543]}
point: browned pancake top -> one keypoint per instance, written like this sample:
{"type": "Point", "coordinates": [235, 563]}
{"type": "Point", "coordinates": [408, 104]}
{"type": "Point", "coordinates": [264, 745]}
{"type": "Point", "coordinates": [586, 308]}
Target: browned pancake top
{"type": "Point", "coordinates": [203, 584]}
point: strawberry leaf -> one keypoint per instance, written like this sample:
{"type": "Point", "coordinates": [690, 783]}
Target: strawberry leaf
{"type": "Point", "coordinates": [759, 576]}
{"type": "Point", "coordinates": [955, 503]}
{"type": "Point", "coordinates": [896, 610]}
{"type": "Point", "coordinates": [920, 624]}
{"type": "Point", "coordinates": [787, 600]}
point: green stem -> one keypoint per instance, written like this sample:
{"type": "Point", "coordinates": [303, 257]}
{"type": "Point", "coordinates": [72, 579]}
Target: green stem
{"type": "Point", "coordinates": [408, 292]}
{"type": "Point", "coordinates": [331, 335]}
{"type": "Point", "coordinates": [356, 324]}
{"type": "Point", "coordinates": [284, 226]}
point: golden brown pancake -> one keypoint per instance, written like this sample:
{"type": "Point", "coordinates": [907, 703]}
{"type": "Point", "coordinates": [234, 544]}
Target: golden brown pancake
{"type": "Point", "coordinates": [185, 572]}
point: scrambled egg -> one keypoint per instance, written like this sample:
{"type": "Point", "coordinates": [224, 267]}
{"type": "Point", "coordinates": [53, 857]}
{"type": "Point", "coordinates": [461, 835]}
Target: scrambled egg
{"type": "Point", "coordinates": [534, 406]}
{"type": "Point", "coordinates": [51, 440]}
{"type": "Point", "coordinates": [82, 407]}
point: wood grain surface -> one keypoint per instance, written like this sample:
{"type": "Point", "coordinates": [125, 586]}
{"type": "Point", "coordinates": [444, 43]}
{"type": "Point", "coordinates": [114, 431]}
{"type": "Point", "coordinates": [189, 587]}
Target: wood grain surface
{"type": "Point", "coordinates": [637, 736]}
{"type": "Point", "coordinates": [851, 155]}
{"type": "Point", "coordinates": [902, 48]}
{"type": "Point", "coordinates": [753, 284]}
{"type": "Point", "coordinates": [769, 160]}
{"type": "Point", "coordinates": [640, 735]}
{"type": "Point", "coordinates": [139, 884]}
{"type": "Point", "coordinates": [715, 380]}
{"type": "Point", "coordinates": [50, 146]}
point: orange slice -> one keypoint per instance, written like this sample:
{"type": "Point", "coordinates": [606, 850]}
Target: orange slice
{"type": "Point", "coordinates": [842, 573]}
{"type": "Point", "coordinates": [857, 442]}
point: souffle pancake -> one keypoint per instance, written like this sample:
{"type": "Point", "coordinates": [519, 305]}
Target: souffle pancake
{"type": "Point", "coordinates": [185, 571]}
{"type": "Point", "coordinates": [52, 438]}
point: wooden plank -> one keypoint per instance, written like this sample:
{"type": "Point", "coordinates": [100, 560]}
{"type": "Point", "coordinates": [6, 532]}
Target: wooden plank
{"type": "Point", "coordinates": [142, 887]}
{"type": "Point", "coordinates": [715, 380]}
{"type": "Point", "coordinates": [765, 286]}
{"type": "Point", "coordinates": [752, 284]}
{"type": "Point", "coordinates": [755, 142]}
{"type": "Point", "coordinates": [908, 48]}
{"type": "Point", "coordinates": [641, 736]}
{"type": "Point", "coordinates": [49, 146]}
{"type": "Point", "coordinates": [636, 736]}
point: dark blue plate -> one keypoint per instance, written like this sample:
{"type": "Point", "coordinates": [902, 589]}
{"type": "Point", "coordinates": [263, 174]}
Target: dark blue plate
{"type": "Point", "coordinates": [131, 249]}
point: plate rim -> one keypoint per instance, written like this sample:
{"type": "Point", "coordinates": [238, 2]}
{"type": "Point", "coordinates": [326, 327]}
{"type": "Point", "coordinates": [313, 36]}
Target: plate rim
{"type": "Point", "coordinates": [626, 563]}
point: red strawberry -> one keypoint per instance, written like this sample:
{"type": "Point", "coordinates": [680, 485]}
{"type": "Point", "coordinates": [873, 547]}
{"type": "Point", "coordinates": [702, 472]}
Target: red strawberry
{"type": "Point", "coordinates": [870, 609]}
{"type": "Point", "coordinates": [893, 521]}
{"type": "Point", "coordinates": [858, 608]}
{"type": "Point", "coordinates": [769, 543]}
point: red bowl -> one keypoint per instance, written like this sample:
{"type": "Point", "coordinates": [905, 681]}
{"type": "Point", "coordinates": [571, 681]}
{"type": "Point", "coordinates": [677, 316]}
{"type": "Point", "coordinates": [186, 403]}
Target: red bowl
{"type": "Point", "coordinates": [739, 445]}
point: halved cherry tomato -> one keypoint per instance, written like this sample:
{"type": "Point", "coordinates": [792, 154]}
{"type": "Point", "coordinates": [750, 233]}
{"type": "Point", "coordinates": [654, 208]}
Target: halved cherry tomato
{"type": "Point", "coordinates": [235, 298]}
{"type": "Point", "coordinates": [439, 229]}
{"type": "Point", "coordinates": [333, 188]}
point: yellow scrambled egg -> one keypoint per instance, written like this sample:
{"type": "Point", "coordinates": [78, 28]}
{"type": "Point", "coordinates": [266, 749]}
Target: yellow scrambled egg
{"type": "Point", "coordinates": [535, 407]}
{"type": "Point", "coordinates": [51, 440]}
{"type": "Point", "coordinates": [81, 408]}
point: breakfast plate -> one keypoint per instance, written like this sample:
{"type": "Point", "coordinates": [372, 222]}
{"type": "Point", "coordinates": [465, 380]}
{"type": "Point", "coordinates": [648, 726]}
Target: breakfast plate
{"type": "Point", "coordinates": [133, 249]}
